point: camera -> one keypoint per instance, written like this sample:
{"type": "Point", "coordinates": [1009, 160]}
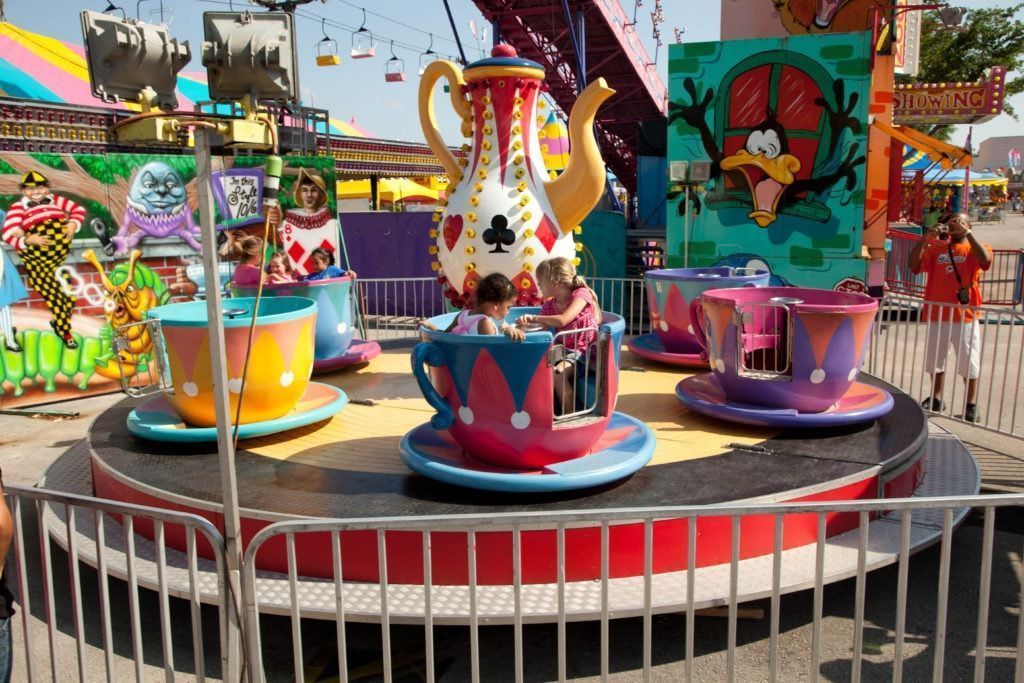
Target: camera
{"type": "Point", "coordinates": [963, 296]}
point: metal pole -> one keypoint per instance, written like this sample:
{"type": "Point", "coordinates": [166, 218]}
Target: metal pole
{"type": "Point", "coordinates": [455, 32]}
{"type": "Point", "coordinates": [686, 229]}
{"type": "Point", "coordinates": [231, 653]}
{"type": "Point", "coordinates": [966, 203]}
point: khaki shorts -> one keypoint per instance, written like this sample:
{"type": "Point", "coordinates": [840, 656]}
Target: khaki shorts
{"type": "Point", "coordinates": [965, 338]}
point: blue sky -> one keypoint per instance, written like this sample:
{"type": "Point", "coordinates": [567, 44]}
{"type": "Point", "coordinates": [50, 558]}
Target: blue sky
{"type": "Point", "coordinates": [356, 87]}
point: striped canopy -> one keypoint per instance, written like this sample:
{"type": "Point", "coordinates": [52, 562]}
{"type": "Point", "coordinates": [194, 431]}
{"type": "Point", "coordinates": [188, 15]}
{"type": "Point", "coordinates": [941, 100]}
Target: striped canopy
{"type": "Point", "coordinates": [37, 67]}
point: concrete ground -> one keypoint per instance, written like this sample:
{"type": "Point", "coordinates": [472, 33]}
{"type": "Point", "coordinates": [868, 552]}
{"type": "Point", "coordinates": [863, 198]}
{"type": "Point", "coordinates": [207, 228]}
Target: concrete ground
{"type": "Point", "coordinates": [28, 445]}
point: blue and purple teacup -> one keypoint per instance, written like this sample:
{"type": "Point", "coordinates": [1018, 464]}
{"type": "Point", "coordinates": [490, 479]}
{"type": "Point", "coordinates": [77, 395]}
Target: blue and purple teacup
{"type": "Point", "coordinates": [671, 291]}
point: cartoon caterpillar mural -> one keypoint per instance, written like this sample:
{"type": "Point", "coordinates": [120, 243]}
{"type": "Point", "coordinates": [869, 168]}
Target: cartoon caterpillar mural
{"type": "Point", "coordinates": [44, 357]}
{"type": "Point", "coordinates": [130, 290]}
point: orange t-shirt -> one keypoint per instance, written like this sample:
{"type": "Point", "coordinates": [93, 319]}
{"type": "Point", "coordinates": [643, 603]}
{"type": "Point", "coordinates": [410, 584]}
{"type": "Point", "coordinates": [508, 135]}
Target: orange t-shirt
{"type": "Point", "coordinates": [942, 283]}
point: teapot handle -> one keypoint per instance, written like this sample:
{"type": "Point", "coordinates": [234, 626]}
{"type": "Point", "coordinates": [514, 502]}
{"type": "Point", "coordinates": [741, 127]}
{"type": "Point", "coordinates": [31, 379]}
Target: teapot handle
{"type": "Point", "coordinates": [460, 104]}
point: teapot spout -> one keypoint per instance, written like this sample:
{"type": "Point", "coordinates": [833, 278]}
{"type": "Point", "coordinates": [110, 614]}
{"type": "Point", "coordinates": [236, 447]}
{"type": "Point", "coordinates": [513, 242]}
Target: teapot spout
{"type": "Point", "coordinates": [574, 193]}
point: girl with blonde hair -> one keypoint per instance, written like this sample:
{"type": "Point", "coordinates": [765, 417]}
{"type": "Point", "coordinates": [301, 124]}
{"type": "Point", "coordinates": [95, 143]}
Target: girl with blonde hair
{"type": "Point", "coordinates": [570, 304]}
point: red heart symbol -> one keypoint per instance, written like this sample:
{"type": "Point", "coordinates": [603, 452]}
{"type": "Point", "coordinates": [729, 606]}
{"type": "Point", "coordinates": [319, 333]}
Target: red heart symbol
{"type": "Point", "coordinates": [452, 230]}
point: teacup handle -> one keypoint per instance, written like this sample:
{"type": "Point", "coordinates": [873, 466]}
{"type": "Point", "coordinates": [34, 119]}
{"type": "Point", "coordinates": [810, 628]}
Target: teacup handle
{"type": "Point", "coordinates": [697, 320]}
{"type": "Point", "coordinates": [430, 353]}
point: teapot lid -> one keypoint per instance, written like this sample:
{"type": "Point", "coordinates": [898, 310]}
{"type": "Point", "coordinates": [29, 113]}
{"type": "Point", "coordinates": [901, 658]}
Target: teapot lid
{"type": "Point", "coordinates": [503, 57]}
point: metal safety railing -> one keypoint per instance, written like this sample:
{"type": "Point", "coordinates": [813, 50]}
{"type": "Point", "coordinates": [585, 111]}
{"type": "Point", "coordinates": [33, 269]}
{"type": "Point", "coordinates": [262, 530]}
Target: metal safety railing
{"type": "Point", "coordinates": [912, 339]}
{"type": "Point", "coordinates": [392, 307]}
{"type": "Point", "coordinates": [1001, 285]}
{"type": "Point", "coordinates": [106, 535]}
{"type": "Point", "coordinates": [881, 533]}
{"type": "Point", "coordinates": [764, 338]}
{"type": "Point", "coordinates": [576, 364]}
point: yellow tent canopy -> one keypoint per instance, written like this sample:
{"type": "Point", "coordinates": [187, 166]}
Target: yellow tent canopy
{"type": "Point", "coordinates": [389, 190]}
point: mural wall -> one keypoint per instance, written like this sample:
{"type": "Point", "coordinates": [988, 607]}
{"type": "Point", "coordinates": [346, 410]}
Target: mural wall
{"type": "Point", "coordinates": [90, 242]}
{"type": "Point", "coordinates": [777, 18]}
{"type": "Point", "coordinates": [782, 122]}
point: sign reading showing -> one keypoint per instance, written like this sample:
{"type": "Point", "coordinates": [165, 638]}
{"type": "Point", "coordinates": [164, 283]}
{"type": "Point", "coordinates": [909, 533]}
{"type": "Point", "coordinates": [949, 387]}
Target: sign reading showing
{"type": "Point", "coordinates": [950, 102]}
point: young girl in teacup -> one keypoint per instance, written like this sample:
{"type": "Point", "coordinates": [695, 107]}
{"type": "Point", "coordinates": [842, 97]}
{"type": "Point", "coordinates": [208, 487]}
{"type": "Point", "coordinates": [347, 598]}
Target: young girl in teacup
{"type": "Point", "coordinates": [278, 269]}
{"type": "Point", "coordinates": [247, 272]}
{"type": "Point", "coordinates": [495, 295]}
{"type": "Point", "coordinates": [323, 268]}
{"type": "Point", "coordinates": [570, 304]}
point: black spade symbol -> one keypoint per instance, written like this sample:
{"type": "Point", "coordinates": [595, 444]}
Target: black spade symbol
{"type": "Point", "coordinates": [499, 234]}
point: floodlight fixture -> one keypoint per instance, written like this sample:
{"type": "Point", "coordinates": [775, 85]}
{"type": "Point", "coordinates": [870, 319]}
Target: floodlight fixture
{"type": "Point", "coordinates": [126, 57]}
{"type": "Point", "coordinates": [250, 56]}
{"type": "Point", "coordinates": [952, 17]}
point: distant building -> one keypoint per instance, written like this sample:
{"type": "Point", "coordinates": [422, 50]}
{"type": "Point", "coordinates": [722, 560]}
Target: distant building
{"type": "Point", "coordinates": [996, 153]}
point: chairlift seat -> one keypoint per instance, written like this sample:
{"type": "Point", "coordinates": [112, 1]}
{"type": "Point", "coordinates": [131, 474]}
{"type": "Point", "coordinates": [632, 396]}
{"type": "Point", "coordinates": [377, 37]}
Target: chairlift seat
{"type": "Point", "coordinates": [394, 76]}
{"type": "Point", "coordinates": [363, 52]}
{"type": "Point", "coordinates": [328, 60]}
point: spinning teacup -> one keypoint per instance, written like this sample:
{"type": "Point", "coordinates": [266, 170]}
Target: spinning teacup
{"type": "Point", "coordinates": [784, 347]}
{"type": "Point", "coordinates": [280, 363]}
{"type": "Point", "coordinates": [334, 322]}
{"type": "Point", "coordinates": [671, 291]}
{"type": "Point", "coordinates": [494, 396]}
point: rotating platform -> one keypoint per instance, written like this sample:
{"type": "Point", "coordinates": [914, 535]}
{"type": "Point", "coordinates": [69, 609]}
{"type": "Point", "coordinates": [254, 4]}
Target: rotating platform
{"type": "Point", "coordinates": [350, 467]}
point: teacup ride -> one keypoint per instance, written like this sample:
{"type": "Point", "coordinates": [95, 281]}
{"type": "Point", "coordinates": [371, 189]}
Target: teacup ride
{"type": "Point", "coordinates": [336, 345]}
{"type": "Point", "coordinates": [670, 293]}
{"type": "Point", "coordinates": [784, 357]}
{"type": "Point", "coordinates": [278, 393]}
{"type": "Point", "coordinates": [496, 427]}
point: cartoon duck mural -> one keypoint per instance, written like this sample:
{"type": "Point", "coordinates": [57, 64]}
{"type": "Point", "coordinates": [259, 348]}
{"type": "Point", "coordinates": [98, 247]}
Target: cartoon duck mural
{"type": "Point", "coordinates": [764, 167]}
{"type": "Point", "coordinates": [826, 16]}
{"type": "Point", "coordinates": [767, 166]}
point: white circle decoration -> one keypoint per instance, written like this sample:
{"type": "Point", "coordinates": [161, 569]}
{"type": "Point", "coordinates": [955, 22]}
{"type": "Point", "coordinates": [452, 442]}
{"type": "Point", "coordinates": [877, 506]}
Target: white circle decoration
{"type": "Point", "coordinates": [235, 385]}
{"type": "Point", "coordinates": [720, 365]}
{"type": "Point", "coordinates": [466, 414]}
{"type": "Point", "coordinates": [521, 419]}
{"type": "Point", "coordinates": [190, 389]}
{"type": "Point", "coordinates": [817, 376]}
{"type": "Point", "coordinates": [853, 374]}
{"type": "Point", "coordinates": [342, 327]}
{"type": "Point", "coordinates": [287, 378]}
{"type": "Point", "coordinates": [689, 328]}
{"type": "Point", "coordinates": [663, 325]}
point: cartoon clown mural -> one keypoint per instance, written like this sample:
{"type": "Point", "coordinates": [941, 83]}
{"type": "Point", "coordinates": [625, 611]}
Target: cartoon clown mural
{"type": "Point", "coordinates": [40, 227]}
{"type": "Point", "coordinates": [307, 227]}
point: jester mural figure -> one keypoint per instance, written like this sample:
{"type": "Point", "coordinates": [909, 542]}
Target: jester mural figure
{"type": "Point", "coordinates": [130, 290]}
{"type": "Point", "coordinates": [156, 207]}
{"type": "Point", "coordinates": [307, 227]}
{"type": "Point", "coordinates": [40, 227]}
{"type": "Point", "coordinates": [752, 151]}
{"type": "Point", "coordinates": [503, 214]}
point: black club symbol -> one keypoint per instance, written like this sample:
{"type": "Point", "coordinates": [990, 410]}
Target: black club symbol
{"type": "Point", "coordinates": [499, 234]}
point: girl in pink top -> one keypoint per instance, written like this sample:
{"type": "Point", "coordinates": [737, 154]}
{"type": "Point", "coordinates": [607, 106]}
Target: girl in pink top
{"type": "Point", "coordinates": [495, 295]}
{"type": "Point", "coordinates": [247, 272]}
{"type": "Point", "coordinates": [570, 305]}
{"type": "Point", "coordinates": [278, 269]}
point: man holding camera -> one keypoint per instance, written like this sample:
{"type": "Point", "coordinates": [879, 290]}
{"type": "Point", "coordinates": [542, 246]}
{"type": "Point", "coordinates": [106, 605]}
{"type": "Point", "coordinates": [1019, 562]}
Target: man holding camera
{"type": "Point", "coordinates": [953, 260]}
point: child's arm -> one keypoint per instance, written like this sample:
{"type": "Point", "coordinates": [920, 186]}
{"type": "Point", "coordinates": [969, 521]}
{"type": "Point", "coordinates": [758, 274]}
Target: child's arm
{"type": "Point", "coordinates": [571, 312]}
{"type": "Point", "coordinates": [512, 332]}
{"type": "Point", "coordinates": [486, 326]}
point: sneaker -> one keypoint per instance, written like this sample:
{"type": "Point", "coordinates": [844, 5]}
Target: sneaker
{"type": "Point", "coordinates": [933, 404]}
{"type": "Point", "coordinates": [971, 413]}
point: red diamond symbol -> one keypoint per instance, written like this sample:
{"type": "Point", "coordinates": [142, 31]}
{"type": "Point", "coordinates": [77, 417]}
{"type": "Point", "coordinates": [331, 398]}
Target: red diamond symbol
{"type": "Point", "coordinates": [296, 252]}
{"type": "Point", "coordinates": [452, 230]}
{"type": "Point", "coordinates": [546, 233]}
{"type": "Point", "coordinates": [327, 246]}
